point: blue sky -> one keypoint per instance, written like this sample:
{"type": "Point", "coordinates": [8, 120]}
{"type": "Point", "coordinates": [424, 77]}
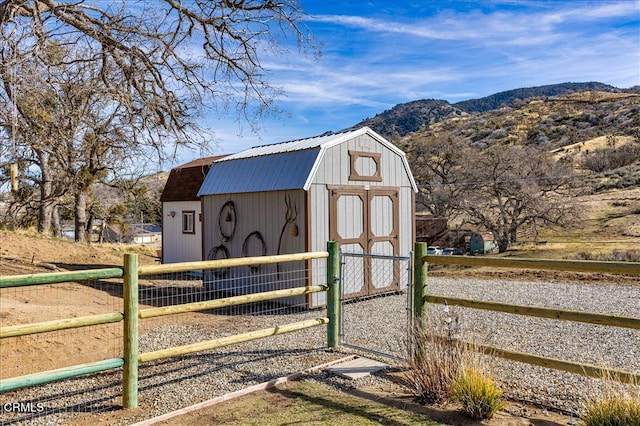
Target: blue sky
{"type": "Point", "coordinates": [377, 54]}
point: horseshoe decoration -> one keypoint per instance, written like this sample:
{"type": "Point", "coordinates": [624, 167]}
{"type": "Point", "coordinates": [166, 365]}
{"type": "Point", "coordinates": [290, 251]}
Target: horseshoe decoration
{"type": "Point", "coordinates": [290, 216]}
{"type": "Point", "coordinates": [219, 252]}
{"type": "Point", "coordinates": [227, 219]}
{"type": "Point", "coordinates": [255, 235]}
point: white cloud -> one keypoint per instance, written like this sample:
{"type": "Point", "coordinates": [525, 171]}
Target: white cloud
{"type": "Point", "coordinates": [538, 23]}
{"type": "Point", "coordinates": [370, 64]}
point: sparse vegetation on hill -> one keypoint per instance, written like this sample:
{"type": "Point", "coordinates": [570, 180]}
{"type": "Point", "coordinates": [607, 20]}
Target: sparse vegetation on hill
{"type": "Point", "coordinates": [597, 133]}
{"type": "Point", "coordinates": [510, 97]}
{"type": "Point", "coordinates": [410, 117]}
{"type": "Point", "coordinates": [552, 123]}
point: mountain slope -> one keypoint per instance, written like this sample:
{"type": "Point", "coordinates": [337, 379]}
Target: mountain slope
{"type": "Point", "coordinates": [410, 117]}
{"type": "Point", "coordinates": [510, 97]}
{"type": "Point", "coordinates": [552, 122]}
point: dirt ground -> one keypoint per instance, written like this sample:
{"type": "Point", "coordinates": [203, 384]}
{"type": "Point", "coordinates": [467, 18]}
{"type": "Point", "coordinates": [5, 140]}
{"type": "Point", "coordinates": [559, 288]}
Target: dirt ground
{"type": "Point", "coordinates": [27, 253]}
{"type": "Point", "coordinates": [31, 254]}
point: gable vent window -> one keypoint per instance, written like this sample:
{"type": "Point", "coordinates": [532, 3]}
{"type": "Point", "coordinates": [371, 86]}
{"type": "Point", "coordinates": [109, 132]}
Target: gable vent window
{"type": "Point", "coordinates": [188, 222]}
{"type": "Point", "coordinates": [365, 166]}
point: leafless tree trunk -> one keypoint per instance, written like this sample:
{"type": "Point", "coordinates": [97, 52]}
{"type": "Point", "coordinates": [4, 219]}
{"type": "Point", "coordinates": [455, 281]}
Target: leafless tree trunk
{"type": "Point", "coordinates": [510, 187]}
{"type": "Point", "coordinates": [80, 220]}
{"type": "Point", "coordinates": [46, 206]}
{"type": "Point", "coordinates": [55, 222]}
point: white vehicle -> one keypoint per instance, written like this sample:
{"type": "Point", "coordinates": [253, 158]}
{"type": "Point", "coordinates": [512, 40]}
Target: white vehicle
{"type": "Point", "coordinates": [434, 250]}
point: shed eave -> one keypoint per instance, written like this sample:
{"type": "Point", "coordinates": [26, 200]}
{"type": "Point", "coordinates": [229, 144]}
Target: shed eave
{"type": "Point", "coordinates": [314, 169]}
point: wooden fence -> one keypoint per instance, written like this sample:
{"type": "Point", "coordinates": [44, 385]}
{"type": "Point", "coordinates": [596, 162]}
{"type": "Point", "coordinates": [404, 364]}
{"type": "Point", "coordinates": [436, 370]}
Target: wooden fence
{"type": "Point", "coordinates": [422, 260]}
{"type": "Point", "coordinates": [130, 272]}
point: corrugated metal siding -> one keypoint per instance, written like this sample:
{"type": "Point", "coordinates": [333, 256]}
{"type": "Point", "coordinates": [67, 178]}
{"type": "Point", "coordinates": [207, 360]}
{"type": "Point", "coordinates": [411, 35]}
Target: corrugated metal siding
{"type": "Point", "coordinates": [276, 172]}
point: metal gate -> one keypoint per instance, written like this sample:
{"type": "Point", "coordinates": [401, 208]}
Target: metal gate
{"type": "Point", "coordinates": [377, 322]}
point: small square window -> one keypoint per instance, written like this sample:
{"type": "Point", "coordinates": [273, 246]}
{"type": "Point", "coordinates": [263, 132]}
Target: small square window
{"type": "Point", "coordinates": [188, 222]}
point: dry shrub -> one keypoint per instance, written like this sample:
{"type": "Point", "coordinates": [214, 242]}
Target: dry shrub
{"type": "Point", "coordinates": [478, 393]}
{"type": "Point", "coordinates": [631, 255]}
{"type": "Point", "coordinates": [435, 358]}
{"type": "Point", "coordinates": [619, 405]}
{"type": "Point", "coordinates": [612, 411]}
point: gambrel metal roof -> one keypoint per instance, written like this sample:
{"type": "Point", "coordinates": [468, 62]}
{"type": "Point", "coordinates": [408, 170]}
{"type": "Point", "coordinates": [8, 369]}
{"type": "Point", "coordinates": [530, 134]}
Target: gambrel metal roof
{"type": "Point", "coordinates": [256, 174]}
{"type": "Point", "coordinates": [281, 166]}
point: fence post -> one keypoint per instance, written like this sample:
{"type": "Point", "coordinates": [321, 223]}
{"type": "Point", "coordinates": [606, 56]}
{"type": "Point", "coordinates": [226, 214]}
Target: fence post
{"type": "Point", "coordinates": [419, 281]}
{"type": "Point", "coordinates": [130, 372]}
{"type": "Point", "coordinates": [333, 294]}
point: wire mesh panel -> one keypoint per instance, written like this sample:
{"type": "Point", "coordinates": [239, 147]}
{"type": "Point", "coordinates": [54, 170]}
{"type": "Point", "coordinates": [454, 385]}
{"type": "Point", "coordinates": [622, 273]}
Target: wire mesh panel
{"type": "Point", "coordinates": [218, 371]}
{"type": "Point", "coordinates": [171, 382]}
{"type": "Point", "coordinates": [376, 303]}
{"type": "Point", "coordinates": [45, 351]}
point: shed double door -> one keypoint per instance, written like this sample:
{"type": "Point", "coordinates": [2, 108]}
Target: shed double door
{"type": "Point", "coordinates": [365, 221]}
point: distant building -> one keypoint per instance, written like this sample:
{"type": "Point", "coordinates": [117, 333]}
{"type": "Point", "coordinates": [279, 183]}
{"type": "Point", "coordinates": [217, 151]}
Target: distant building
{"type": "Point", "coordinates": [482, 243]}
{"type": "Point", "coordinates": [146, 233]}
{"type": "Point", "coordinates": [429, 229]}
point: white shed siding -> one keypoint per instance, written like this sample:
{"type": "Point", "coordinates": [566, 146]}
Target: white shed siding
{"type": "Point", "coordinates": [336, 164]}
{"type": "Point", "coordinates": [319, 217]}
{"type": "Point", "coordinates": [265, 211]}
{"type": "Point", "coordinates": [176, 246]}
{"type": "Point", "coordinates": [319, 220]}
{"type": "Point", "coordinates": [335, 170]}
{"type": "Point", "coordinates": [407, 218]}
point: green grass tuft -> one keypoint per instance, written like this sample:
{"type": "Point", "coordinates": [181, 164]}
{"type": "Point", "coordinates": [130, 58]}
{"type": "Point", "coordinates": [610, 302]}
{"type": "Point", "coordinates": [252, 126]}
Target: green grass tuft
{"type": "Point", "coordinates": [478, 394]}
{"type": "Point", "coordinates": [613, 411]}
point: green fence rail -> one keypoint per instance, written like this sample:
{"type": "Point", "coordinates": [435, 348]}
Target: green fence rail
{"type": "Point", "coordinates": [60, 277]}
{"type": "Point", "coordinates": [131, 316]}
{"type": "Point", "coordinates": [629, 268]}
{"type": "Point", "coordinates": [130, 272]}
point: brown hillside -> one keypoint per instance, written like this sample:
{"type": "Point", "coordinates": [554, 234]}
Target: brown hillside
{"type": "Point", "coordinates": [26, 253]}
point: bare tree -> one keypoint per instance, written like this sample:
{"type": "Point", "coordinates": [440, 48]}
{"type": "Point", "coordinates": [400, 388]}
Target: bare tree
{"type": "Point", "coordinates": [437, 164]}
{"type": "Point", "coordinates": [510, 187]}
{"type": "Point", "coordinates": [171, 55]}
{"type": "Point", "coordinates": [129, 79]}
{"type": "Point", "coordinates": [27, 115]}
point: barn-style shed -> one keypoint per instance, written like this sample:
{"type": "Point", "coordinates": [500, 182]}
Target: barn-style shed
{"type": "Point", "coordinates": [181, 211]}
{"type": "Point", "coordinates": [353, 187]}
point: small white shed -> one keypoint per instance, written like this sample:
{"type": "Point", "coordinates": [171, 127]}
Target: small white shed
{"type": "Point", "coordinates": [181, 212]}
{"type": "Point", "coordinates": [353, 187]}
